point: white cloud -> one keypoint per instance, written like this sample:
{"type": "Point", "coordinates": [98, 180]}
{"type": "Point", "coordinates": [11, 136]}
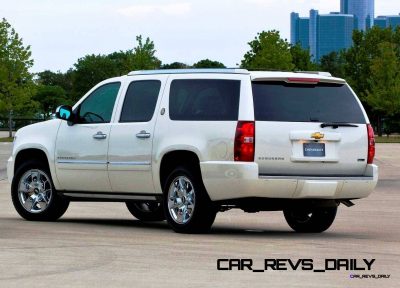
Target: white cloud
{"type": "Point", "coordinates": [144, 10]}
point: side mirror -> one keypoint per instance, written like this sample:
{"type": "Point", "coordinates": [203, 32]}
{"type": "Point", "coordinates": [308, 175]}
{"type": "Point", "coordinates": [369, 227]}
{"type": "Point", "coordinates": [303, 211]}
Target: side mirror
{"type": "Point", "coordinates": [64, 112]}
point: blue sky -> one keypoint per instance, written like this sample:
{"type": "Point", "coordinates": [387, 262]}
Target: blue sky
{"type": "Point", "coordinates": [60, 32]}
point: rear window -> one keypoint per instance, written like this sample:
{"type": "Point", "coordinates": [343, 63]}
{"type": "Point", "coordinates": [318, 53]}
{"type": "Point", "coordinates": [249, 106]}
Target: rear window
{"type": "Point", "coordinates": [323, 102]}
{"type": "Point", "coordinates": [204, 100]}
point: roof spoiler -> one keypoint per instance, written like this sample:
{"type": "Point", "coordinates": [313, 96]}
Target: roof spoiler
{"type": "Point", "coordinates": [321, 73]}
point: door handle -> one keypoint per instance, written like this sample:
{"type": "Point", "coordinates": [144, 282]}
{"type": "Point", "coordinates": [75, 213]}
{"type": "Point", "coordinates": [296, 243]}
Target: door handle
{"type": "Point", "coordinates": [99, 136]}
{"type": "Point", "coordinates": [143, 135]}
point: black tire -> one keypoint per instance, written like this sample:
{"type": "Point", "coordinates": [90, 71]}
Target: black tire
{"type": "Point", "coordinates": [57, 205]}
{"type": "Point", "coordinates": [146, 211]}
{"type": "Point", "coordinates": [315, 220]}
{"type": "Point", "coordinates": [203, 212]}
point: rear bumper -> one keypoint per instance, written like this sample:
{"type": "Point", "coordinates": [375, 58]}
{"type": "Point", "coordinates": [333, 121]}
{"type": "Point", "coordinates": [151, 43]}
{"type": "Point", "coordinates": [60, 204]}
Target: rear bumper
{"type": "Point", "coordinates": [234, 180]}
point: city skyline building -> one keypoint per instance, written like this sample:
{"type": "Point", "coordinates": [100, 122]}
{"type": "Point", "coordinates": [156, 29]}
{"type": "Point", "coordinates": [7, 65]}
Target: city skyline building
{"type": "Point", "coordinates": [326, 33]}
{"type": "Point", "coordinates": [322, 33]}
{"type": "Point", "coordinates": [299, 31]}
{"type": "Point", "coordinates": [363, 11]}
{"type": "Point", "coordinates": [387, 21]}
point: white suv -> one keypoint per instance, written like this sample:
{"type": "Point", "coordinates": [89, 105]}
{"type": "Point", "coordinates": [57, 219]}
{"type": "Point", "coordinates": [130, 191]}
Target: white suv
{"type": "Point", "coordinates": [185, 144]}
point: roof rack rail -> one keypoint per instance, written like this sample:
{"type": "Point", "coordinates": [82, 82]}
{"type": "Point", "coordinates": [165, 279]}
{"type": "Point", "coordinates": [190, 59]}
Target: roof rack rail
{"type": "Point", "coordinates": [191, 70]}
{"type": "Point", "coordinates": [321, 73]}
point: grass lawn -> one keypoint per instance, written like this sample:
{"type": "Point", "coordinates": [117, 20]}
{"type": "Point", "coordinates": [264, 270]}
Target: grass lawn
{"type": "Point", "coordinates": [6, 139]}
{"type": "Point", "coordinates": [385, 139]}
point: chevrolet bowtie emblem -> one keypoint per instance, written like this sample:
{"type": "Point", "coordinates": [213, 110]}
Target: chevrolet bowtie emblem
{"type": "Point", "coordinates": [317, 135]}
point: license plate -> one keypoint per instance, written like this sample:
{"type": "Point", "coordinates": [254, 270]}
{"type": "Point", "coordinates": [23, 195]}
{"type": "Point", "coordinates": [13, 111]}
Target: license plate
{"type": "Point", "coordinates": [314, 149]}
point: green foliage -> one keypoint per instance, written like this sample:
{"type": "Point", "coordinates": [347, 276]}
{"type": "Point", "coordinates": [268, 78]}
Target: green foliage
{"type": "Point", "coordinates": [384, 93]}
{"type": "Point", "coordinates": [175, 65]}
{"type": "Point", "coordinates": [143, 57]}
{"type": "Point", "coordinates": [93, 69]}
{"type": "Point", "coordinates": [268, 51]}
{"type": "Point", "coordinates": [16, 84]}
{"type": "Point", "coordinates": [365, 67]}
{"type": "Point", "coordinates": [50, 97]}
{"type": "Point", "coordinates": [334, 63]}
{"type": "Point", "coordinates": [207, 63]}
{"type": "Point", "coordinates": [360, 55]}
{"type": "Point", "coordinates": [64, 80]}
{"type": "Point", "coordinates": [301, 59]}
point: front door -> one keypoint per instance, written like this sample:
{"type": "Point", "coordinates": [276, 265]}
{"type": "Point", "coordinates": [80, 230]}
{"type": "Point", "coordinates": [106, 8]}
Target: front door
{"type": "Point", "coordinates": [131, 138]}
{"type": "Point", "coordinates": [81, 149]}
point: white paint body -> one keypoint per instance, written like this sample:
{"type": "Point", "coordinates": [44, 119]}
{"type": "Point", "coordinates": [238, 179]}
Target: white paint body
{"type": "Point", "coordinates": [124, 163]}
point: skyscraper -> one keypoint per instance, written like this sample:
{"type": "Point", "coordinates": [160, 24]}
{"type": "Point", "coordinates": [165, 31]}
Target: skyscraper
{"type": "Point", "coordinates": [334, 33]}
{"type": "Point", "coordinates": [322, 33]}
{"type": "Point", "coordinates": [363, 11]}
{"type": "Point", "coordinates": [326, 33]}
{"type": "Point", "coordinates": [392, 21]}
{"type": "Point", "coordinates": [299, 30]}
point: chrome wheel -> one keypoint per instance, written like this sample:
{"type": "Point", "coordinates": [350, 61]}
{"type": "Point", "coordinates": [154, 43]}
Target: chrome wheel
{"type": "Point", "coordinates": [35, 191]}
{"type": "Point", "coordinates": [181, 200]}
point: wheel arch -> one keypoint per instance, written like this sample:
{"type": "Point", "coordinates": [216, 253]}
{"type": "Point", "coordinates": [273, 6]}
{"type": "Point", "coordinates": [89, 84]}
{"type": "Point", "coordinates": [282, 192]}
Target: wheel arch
{"type": "Point", "coordinates": [172, 159]}
{"type": "Point", "coordinates": [34, 153]}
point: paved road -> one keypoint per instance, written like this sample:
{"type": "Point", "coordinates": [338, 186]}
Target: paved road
{"type": "Point", "coordinates": [101, 245]}
{"type": "Point", "coordinates": [5, 152]}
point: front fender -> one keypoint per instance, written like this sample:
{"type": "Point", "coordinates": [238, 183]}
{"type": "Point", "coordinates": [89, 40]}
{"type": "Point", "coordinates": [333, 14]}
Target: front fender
{"type": "Point", "coordinates": [41, 136]}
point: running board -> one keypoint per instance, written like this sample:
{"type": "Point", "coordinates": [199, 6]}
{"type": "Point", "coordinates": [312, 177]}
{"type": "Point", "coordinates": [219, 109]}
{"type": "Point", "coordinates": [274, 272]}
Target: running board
{"type": "Point", "coordinates": [109, 197]}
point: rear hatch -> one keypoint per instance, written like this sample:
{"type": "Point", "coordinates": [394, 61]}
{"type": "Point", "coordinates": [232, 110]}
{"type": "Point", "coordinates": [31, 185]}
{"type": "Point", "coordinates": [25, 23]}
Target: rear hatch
{"type": "Point", "coordinates": [309, 127]}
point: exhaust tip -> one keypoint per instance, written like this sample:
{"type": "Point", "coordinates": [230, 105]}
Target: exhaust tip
{"type": "Point", "coordinates": [347, 203]}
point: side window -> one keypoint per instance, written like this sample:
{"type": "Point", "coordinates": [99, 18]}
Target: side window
{"type": "Point", "coordinates": [140, 101]}
{"type": "Point", "coordinates": [204, 100]}
{"type": "Point", "coordinates": [98, 106]}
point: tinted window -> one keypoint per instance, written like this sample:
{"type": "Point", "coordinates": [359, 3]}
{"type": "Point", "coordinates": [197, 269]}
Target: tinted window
{"type": "Point", "coordinates": [204, 100]}
{"type": "Point", "coordinates": [140, 101]}
{"type": "Point", "coordinates": [98, 106]}
{"type": "Point", "coordinates": [279, 101]}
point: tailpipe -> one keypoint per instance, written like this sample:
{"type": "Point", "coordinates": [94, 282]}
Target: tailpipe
{"type": "Point", "coordinates": [347, 203]}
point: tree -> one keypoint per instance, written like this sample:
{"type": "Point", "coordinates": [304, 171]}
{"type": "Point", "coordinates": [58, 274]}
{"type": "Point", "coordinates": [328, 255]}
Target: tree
{"type": "Point", "coordinates": [301, 58]}
{"type": "Point", "coordinates": [359, 57]}
{"type": "Point", "coordinates": [123, 62]}
{"type": "Point", "coordinates": [63, 80]}
{"type": "Point", "coordinates": [384, 94]}
{"type": "Point", "coordinates": [207, 63]}
{"type": "Point", "coordinates": [91, 70]}
{"type": "Point", "coordinates": [334, 63]}
{"type": "Point", "coordinates": [143, 57]}
{"type": "Point", "coordinates": [268, 51]}
{"type": "Point", "coordinates": [49, 98]}
{"type": "Point", "coordinates": [15, 79]}
{"type": "Point", "coordinates": [175, 65]}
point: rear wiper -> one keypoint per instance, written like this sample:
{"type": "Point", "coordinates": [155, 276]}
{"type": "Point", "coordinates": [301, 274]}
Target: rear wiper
{"type": "Point", "coordinates": [336, 125]}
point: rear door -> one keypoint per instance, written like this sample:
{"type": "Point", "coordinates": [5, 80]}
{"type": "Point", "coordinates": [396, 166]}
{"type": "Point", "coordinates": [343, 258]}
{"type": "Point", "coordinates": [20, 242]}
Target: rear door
{"type": "Point", "coordinates": [291, 138]}
{"type": "Point", "coordinates": [132, 134]}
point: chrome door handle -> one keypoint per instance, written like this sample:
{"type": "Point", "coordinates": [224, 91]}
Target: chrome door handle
{"type": "Point", "coordinates": [99, 136]}
{"type": "Point", "coordinates": [143, 135]}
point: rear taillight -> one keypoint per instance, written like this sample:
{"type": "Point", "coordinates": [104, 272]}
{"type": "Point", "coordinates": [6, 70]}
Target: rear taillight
{"type": "Point", "coordinates": [244, 141]}
{"type": "Point", "coordinates": [371, 144]}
